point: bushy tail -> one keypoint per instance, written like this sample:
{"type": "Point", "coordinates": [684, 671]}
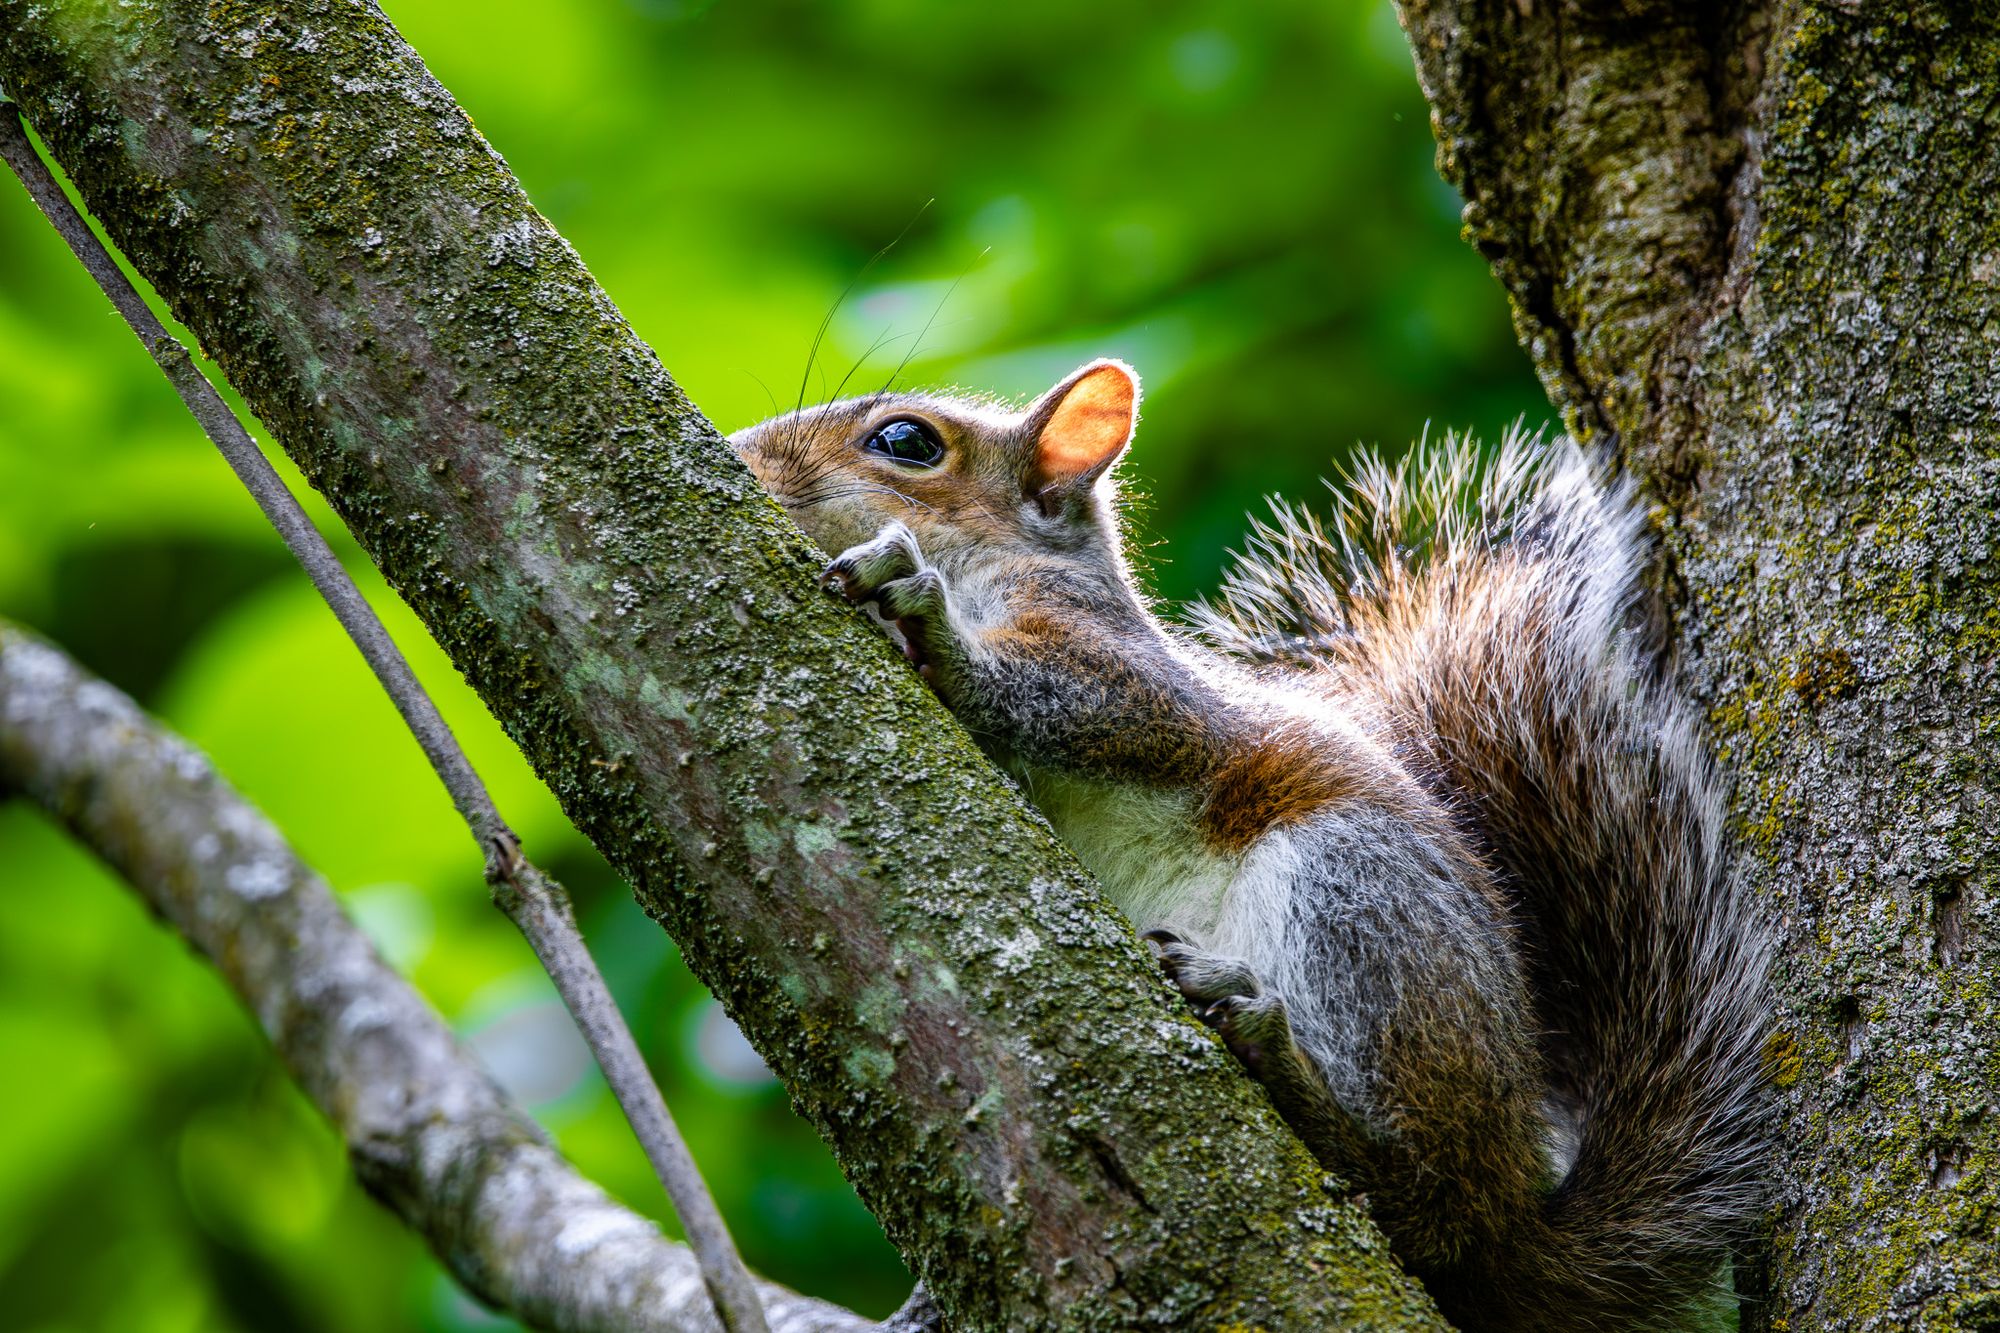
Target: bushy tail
{"type": "Point", "coordinates": [1478, 608]}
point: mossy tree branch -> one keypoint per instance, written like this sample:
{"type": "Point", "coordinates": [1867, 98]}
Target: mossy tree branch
{"type": "Point", "coordinates": [995, 1061]}
{"type": "Point", "coordinates": [1757, 246]}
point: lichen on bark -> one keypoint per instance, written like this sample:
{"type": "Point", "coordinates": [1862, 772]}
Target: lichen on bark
{"type": "Point", "coordinates": [998, 1066]}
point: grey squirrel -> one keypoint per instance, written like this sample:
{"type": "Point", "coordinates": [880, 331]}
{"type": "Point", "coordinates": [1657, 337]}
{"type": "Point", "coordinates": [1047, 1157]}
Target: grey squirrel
{"type": "Point", "coordinates": [1406, 814]}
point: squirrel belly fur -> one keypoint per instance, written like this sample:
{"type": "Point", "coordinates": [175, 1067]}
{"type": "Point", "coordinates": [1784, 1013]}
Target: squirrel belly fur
{"type": "Point", "coordinates": [1407, 812]}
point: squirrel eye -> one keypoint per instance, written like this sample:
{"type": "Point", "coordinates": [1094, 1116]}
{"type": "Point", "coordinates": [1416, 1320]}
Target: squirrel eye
{"type": "Point", "coordinates": [906, 442]}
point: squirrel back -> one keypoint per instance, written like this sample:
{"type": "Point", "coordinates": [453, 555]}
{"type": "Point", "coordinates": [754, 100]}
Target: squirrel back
{"type": "Point", "coordinates": [1480, 613]}
{"type": "Point", "coordinates": [1412, 820]}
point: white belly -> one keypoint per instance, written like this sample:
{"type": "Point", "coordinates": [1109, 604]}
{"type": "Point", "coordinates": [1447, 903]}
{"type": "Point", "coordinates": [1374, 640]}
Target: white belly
{"type": "Point", "coordinates": [1143, 847]}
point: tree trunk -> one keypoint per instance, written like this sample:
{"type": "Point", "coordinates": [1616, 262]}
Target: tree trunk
{"type": "Point", "coordinates": [1042, 1130]}
{"type": "Point", "coordinates": [1755, 251]}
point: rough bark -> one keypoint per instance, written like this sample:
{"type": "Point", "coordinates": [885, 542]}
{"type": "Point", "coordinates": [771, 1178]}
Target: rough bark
{"type": "Point", "coordinates": [429, 1133]}
{"type": "Point", "coordinates": [1756, 250]}
{"type": "Point", "coordinates": [996, 1063]}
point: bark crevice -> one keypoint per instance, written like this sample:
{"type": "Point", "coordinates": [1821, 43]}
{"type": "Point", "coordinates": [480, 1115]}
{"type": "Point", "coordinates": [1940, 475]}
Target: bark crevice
{"type": "Point", "coordinates": [1598, 146]}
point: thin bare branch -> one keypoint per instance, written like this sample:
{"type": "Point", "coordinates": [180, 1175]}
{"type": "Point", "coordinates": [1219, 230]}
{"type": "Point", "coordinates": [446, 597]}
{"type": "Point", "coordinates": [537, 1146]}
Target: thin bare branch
{"type": "Point", "coordinates": [536, 904]}
{"type": "Point", "coordinates": [428, 1131]}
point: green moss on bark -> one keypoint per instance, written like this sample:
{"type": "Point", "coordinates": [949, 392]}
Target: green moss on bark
{"type": "Point", "coordinates": [1853, 416]}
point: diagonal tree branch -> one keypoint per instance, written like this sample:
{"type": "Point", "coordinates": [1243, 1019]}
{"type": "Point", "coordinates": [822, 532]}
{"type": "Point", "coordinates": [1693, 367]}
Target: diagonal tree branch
{"type": "Point", "coordinates": [537, 905]}
{"type": "Point", "coordinates": [429, 1133]}
{"type": "Point", "coordinates": [1049, 1139]}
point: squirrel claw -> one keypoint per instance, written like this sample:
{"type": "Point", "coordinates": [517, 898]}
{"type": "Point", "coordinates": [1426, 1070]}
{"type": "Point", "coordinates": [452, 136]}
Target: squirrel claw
{"type": "Point", "coordinates": [1252, 1027]}
{"type": "Point", "coordinates": [889, 573]}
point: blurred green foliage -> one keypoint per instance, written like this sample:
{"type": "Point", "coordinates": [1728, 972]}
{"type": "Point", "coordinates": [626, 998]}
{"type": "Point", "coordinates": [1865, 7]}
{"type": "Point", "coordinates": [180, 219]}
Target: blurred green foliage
{"type": "Point", "coordinates": [1238, 199]}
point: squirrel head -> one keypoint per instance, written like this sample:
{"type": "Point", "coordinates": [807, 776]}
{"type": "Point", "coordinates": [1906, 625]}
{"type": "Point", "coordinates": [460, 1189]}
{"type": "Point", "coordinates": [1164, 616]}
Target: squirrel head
{"type": "Point", "coordinates": [967, 475]}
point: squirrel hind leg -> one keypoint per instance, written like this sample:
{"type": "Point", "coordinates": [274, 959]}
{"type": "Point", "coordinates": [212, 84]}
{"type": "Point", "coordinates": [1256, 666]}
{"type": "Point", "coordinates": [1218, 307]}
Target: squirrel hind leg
{"type": "Point", "coordinates": [1227, 995]}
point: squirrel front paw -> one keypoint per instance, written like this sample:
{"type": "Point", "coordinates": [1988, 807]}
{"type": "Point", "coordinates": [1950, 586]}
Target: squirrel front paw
{"type": "Point", "coordinates": [888, 572]}
{"type": "Point", "coordinates": [858, 574]}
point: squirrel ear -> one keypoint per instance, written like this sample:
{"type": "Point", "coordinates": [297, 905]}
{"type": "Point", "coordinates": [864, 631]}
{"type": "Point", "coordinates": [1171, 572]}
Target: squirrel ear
{"type": "Point", "coordinates": [1081, 426]}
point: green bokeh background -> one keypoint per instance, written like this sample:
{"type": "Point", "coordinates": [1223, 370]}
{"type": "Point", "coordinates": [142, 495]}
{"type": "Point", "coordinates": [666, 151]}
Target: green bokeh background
{"type": "Point", "coordinates": [1237, 199]}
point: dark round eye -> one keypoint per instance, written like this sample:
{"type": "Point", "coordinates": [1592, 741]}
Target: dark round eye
{"type": "Point", "coordinates": [906, 442]}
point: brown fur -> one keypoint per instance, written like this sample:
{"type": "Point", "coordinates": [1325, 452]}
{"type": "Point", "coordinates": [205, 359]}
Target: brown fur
{"type": "Point", "coordinates": [1271, 782]}
{"type": "Point", "coordinates": [1455, 1178]}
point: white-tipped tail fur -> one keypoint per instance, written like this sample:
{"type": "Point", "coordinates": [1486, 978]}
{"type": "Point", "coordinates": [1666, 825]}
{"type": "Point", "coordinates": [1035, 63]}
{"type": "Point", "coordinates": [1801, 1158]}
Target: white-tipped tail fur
{"type": "Point", "coordinates": [1476, 609]}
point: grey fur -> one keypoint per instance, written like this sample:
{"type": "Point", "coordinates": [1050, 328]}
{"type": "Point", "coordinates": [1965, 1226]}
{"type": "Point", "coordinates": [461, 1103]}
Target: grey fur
{"type": "Point", "coordinates": [1418, 830]}
{"type": "Point", "coordinates": [1371, 919]}
{"type": "Point", "coordinates": [1526, 701]}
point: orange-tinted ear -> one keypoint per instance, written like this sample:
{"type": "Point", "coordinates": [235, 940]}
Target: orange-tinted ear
{"type": "Point", "coordinates": [1081, 426]}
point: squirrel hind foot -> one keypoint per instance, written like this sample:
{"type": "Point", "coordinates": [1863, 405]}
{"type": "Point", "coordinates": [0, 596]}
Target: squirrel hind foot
{"type": "Point", "coordinates": [1227, 996]}
{"type": "Point", "coordinates": [1204, 978]}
